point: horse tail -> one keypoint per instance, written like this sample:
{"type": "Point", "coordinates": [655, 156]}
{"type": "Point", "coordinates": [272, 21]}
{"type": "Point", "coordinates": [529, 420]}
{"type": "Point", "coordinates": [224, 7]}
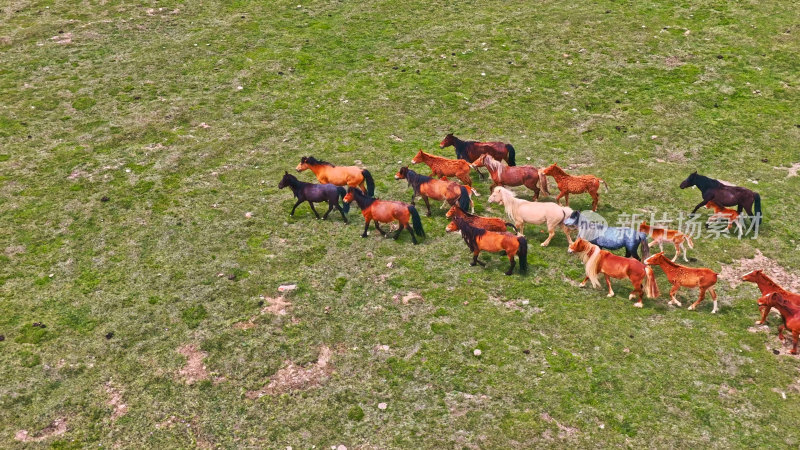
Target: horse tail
{"type": "Point", "coordinates": [757, 207]}
{"type": "Point", "coordinates": [689, 241]}
{"type": "Point", "coordinates": [415, 221]}
{"type": "Point", "coordinates": [543, 182]}
{"type": "Point", "coordinates": [342, 192]}
{"type": "Point", "coordinates": [516, 230]}
{"type": "Point", "coordinates": [650, 284]}
{"type": "Point", "coordinates": [463, 199]}
{"type": "Point", "coordinates": [370, 182]}
{"type": "Point", "coordinates": [604, 183]}
{"type": "Point", "coordinates": [592, 268]}
{"type": "Point", "coordinates": [523, 253]}
{"type": "Point", "coordinates": [644, 246]}
{"type": "Point", "coordinates": [512, 155]}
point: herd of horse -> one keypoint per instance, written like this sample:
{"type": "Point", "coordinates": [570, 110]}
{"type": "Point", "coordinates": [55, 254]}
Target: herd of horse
{"type": "Point", "coordinates": [592, 244]}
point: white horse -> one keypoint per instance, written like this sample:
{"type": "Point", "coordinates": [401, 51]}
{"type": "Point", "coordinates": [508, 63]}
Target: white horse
{"type": "Point", "coordinates": [521, 212]}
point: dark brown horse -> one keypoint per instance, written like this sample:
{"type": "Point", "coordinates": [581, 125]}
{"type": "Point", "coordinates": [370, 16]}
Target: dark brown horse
{"type": "Point", "coordinates": [503, 175]}
{"type": "Point", "coordinates": [469, 151]}
{"type": "Point", "coordinates": [724, 195]}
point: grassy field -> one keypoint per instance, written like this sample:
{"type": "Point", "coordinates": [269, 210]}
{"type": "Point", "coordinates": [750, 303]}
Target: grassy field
{"type": "Point", "coordinates": [135, 138]}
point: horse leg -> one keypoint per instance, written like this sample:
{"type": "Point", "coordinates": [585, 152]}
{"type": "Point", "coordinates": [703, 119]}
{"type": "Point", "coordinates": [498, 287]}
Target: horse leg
{"type": "Point", "coordinates": [685, 251]}
{"type": "Point", "coordinates": [699, 299]}
{"type": "Point", "coordinates": [595, 200]}
{"type": "Point", "coordinates": [637, 293]}
{"type": "Point", "coordinates": [608, 282]}
{"type": "Point", "coordinates": [330, 208]}
{"type": "Point", "coordinates": [566, 199]}
{"type": "Point", "coordinates": [780, 332]}
{"type": "Point", "coordinates": [366, 227]}
{"type": "Point", "coordinates": [475, 259]}
{"type": "Point", "coordinates": [295, 207]}
{"type": "Point", "coordinates": [511, 260]}
{"type": "Point", "coordinates": [672, 299]}
{"type": "Point", "coordinates": [427, 204]}
{"type": "Point", "coordinates": [677, 252]}
{"type": "Point", "coordinates": [551, 232]}
{"type": "Point", "coordinates": [661, 246]}
{"type": "Point", "coordinates": [383, 233]}
{"type": "Point", "coordinates": [411, 232]}
{"type": "Point", "coordinates": [566, 232]}
{"type": "Point", "coordinates": [312, 208]}
{"type": "Point", "coordinates": [713, 293]}
{"type": "Point", "coordinates": [703, 203]}
{"type": "Point", "coordinates": [764, 312]}
{"type": "Point", "coordinates": [795, 335]}
{"type": "Point", "coordinates": [583, 283]}
{"type": "Point", "coordinates": [558, 198]}
{"type": "Point", "coordinates": [341, 211]}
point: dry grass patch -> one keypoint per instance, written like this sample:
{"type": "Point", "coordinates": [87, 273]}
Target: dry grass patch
{"type": "Point", "coordinates": [194, 370]}
{"type": "Point", "coordinates": [56, 428]}
{"type": "Point", "coordinates": [115, 401]}
{"type": "Point", "coordinates": [294, 377]}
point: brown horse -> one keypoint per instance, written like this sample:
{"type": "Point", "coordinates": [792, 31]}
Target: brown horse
{"type": "Point", "coordinates": [790, 313]}
{"type": "Point", "coordinates": [469, 151]}
{"type": "Point", "coordinates": [598, 261]}
{"type": "Point", "coordinates": [725, 213]}
{"type": "Point", "coordinates": [487, 223]}
{"type": "Point", "coordinates": [386, 211]}
{"type": "Point", "coordinates": [444, 167]}
{"type": "Point", "coordinates": [575, 184]}
{"type": "Point", "coordinates": [478, 239]}
{"type": "Point", "coordinates": [679, 275]}
{"type": "Point", "coordinates": [661, 235]}
{"type": "Point", "coordinates": [427, 187]}
{"type": "Point", "coordinates": [724, 195]}
{"type": "Point", "coordinates": [339, 175]}
{"type": "Point", "coordinates": [767, 286]}
{"type": "Point", "coordinates": [503, 175]}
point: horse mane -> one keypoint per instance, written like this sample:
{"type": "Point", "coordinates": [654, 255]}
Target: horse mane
{"type": "Point", "coordinates": [362, 199]}
{"type": "Point", "coordinates": [558, 170]}
{"type": "Point", "coordinates": [510, 202]}
{"type": "Point", "coordinates": [703, 182]}
{"type": "Point", "coordinates": [416, 179]}
{"type": "Point", "coordinates": [464, 212]}
{"type": "Point", "coordinates": [772, 282]}
{"type": "Point", "coordinates": [318, 162]}
{"type": "Point", "coordinates": [591, 261]}
{"type": "Point", "coordinates": [469, 233]}
{"type": "Point", "coordinates": [294, 182]}
{"type": "Point", "coordinates": [493, 164]}
{"type": "Point", "coordinates": [780, 300]}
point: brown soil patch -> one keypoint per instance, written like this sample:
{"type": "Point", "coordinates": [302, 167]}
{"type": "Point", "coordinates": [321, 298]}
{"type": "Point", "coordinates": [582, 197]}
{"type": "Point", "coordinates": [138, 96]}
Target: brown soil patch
{"type": "Point", "coordinates": [733, 273]}
{"type": "Point", "coordinates": [407, 298]}
{"type": "Point", "coordinates": [792, 171]}
{"type": "Point", "coordinates": [12, 250]}
{"type": "Point", "coordinates": [115, 401]}
{"type": "Point", "coordinates": [294, 377]}
{"type": "Point", "coordinates": [673, 62]}
{"type": "Point", "coordinates": [57, 428]}
{"type": "Point", "coordinates": [275, 306]}
{"type": "Point", "coordinates": [459, 404]}
{"type": "Point", "coordinates": [564, 431]}
{"type": "Point", "coordinates": [64, 38]}
{"type": "Point", "coordinates": [194, 370]}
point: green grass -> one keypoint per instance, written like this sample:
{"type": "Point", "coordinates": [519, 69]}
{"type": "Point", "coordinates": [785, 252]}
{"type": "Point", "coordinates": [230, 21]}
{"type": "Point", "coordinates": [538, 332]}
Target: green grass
{"type": "Point", "coordinates": [110, 184]}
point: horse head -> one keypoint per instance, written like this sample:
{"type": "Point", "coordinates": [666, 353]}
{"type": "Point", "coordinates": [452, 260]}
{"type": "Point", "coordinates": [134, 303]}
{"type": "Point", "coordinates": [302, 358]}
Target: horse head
{"type": "Point", "coordinates": [350, 196]}
{"type": "Point", "coordinates": [402, 173]}
{"type": "Point", "coordinates": [573, 219]}
{"type": "Point", "coordinates": [285, 181]}
{"type": "Point", "coordinates": [480, 161]}
{"type": "Point", "coordinates": [497, 195]}
{"type": "Point", "coordinates": [451, 227]}
{"type": "Point", "coordinates": [579, 245]}
{"type": "Point", "coordinates": [451, 212]}
{"type": "Point", "coordinates": [303, 164]}
{"type": "Point", "coordinates": [417, 158]}
{"type": "Point", "coordinates": [552, 168]}
{"type": "Point", "coordinates": [753, 276]}
{"type": "Point", "coordinates": [447, 141]}
{"type": "Point", "coordinates": [656, 259]}
{"type": "Point", "coordinates": [770, 299]}
{"type": "Point", "coordinates": [689, 181]}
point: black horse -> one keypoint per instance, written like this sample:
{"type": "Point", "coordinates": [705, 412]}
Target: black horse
{"type": "Point", "coordinates": [610, 238]}
{"type": "Point", "coordinates": [724, 195]}
{"type": "Point", "coordinates": [310, 192]}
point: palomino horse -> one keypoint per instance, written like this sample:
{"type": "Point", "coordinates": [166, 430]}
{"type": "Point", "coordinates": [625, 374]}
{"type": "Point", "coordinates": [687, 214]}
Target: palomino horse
{"type": "Point", "coordinates": [610, 238]}
{"type": "Point", "coordinates": [444, 167]}
{"type": "Point", "coordinates": [790, 313]}
{"type": "Point", "coordinates": [427, 187]}
{"type": "Point", "coordinates": [575, 184]}
{"type": "Point", "coordinates": [487, 223]}
{"type": "Point", "coordinates": [724, 195]}
{"type": "Point", "coordinates": [386, 212]}
{"type": "Point", "coordinates": [661, 235]}
{"type": "Point", "coordinates": [309, 192]}
{"type": "Point", "coordinates": [521, 212]}
{"type": "Point", "coordinates": [679, 275]}
{"type": "Point", "coordinates": [725, 213]}
{"type": "Point", "coordinates": [598, 261]}
{"type": "Point", "coordinates": [326, 172]}
{"type": "Point", "coordinates": [767, 286]}
{"type": "Point", "coordinates": [503, 175]}
{"type": "Point", "coordinates": [478, 239]}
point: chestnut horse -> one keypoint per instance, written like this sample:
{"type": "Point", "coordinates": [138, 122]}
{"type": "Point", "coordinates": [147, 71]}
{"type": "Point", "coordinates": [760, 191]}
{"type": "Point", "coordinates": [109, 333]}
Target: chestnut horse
{"type": "Point", "coordinates": [725, 213]}
{"type": "Point", "coordinates": [790, 313]}
{"type": "Point", "coordinates": [427, 187]}
{"type": "Point", "coordinates": [767, 286]}
{"type": "Point", "coordinates": [575, 184]}
{"type": "Point", "coordinates": [444, 167]}
{"type": "Point", "coordinates": [487, 223]}
{"type": "Point", "coordinates": [679, 275]}
{"type": "Point", "coordinates": [326, 172]}
{"type": "Point", "coordinates": [478, 239]}
{"type": "Point", "coordinates": [522, 211]}
{"type": "Point", "coordinates": [661, 235]}
{"type": "Point", "coordinates": [598, 261]}
{"type": "Point", "coordinates": [724, 195]}
{"type": "Point", "coordinates": [503, 175]}
{"type": "Point", "coordinates": [469, 151]}
{"type": "Point", "coordinates": [386, 211]}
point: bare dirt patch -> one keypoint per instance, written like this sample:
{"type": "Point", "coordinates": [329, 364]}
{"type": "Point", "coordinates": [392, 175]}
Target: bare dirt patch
{"type": "Point", "coordinates": [56, 428]}
{"type": "Point", "coordinates": [63, 38]}
{"type": "Point", "coordinates": [460, 403]}
{"type": "Point", "coordinates": [732, 273]}
{"type": "Point", "coordinates": [673, 62]}
{"type": "Point", "coordinates": [407, 298]}
{"type": "Point", "coordinates": [294, 377]}
{"type": "Point", "coordinates": [564, 431]}
{"type": "Point", "coordinates": [791, 171]}
{"type": "Point", "coordinates": [277, 306]}
{"type": "Point", "coordinates": [12, 250]}
{"type": "Point", "coordinates": [115, 401]}
{"type": "Point", "coordinates": [194, 370]}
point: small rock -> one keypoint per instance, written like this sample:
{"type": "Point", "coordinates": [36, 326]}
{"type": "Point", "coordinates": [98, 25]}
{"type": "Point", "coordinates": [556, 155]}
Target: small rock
{"type": "Point", "coordinates": [109, 335]}
{"type": "Point", "coordinates": [776, 351]}
{"type": "Point", "coordinates": [248, 215]}
{"type": "Point", "coordinates": [232, 276]}
{"type": "Point", "coordinates": [287, 287]}
{"type": "Point", "coordinates": [39, 324]}
{"type": "Point", "coordinates": [477, 352]}
{"type": "Point", "coordinates": [390, 264]}
{"type": "Point", "coordinates": [104, 199]}
{"type": "Point", "coordinates": [626, 350]}
{"type": "Point", "coordinates": [764, 160]}
{"type": "Point", "coordinates": [341, 447]}
{"type": "Point", "coordinates": [382, 406]}
{"type": "Point", "coordinates": [526, 351]}
{"type": "Point", "coordinates": [720, 56]}
{"type": "Point", "coordinates": [2, 338]}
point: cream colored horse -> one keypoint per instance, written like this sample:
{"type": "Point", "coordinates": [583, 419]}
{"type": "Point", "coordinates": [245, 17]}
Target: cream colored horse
{"type": "Point", "coordinates": [522, 211]}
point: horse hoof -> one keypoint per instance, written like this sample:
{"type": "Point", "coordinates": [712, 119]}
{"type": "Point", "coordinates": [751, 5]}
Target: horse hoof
{"type": "Point", "coordinates": [638, 305]}
{"type": "Point", "coordinates": [691, 308]}
{"type": "Point", "coordinates": [473, 264]}
{"type": "Point", "coordinates": [544, 244]}
{"type": "Point", "coordinates": [363, 235]}
{"type": "Point", "coordinates": [507, 273]}
{"type": "Point", "coordinates": [610, 295]}
{"type": "Point", "coordinates": [758, 322]}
